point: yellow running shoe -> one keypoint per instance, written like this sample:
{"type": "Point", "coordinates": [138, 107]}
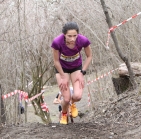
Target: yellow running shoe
{"type": "Point", "coordinates": [64, 119]}
{"type": "Point", "coordinates": [74, 111]}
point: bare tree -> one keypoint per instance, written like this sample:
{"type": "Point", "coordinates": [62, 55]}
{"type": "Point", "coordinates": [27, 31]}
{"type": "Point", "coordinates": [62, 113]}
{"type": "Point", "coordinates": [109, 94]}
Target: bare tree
{"type": "Point", "coordinates": [122, 56]}
{"type": "Point", "coordinates": [28, 28]}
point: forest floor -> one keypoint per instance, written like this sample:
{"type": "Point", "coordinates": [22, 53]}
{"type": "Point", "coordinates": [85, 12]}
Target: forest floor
{"type": "Point", "coordinates": [118, 118]}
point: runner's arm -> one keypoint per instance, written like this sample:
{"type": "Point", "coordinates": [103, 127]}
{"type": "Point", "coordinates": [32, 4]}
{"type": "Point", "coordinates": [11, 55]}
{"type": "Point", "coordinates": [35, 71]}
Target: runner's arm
{"type": "Point", "coordinates": [57, 62]}
{"type": "Point", "coordinates": [64, 82]}
{"type": "Point", "coordinates": [59, 98]}
{"type": "Point", "coordinates": [88, 53]}
{"type": "Point", "coordinates": [55, 101]}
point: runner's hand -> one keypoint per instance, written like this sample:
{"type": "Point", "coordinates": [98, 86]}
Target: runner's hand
{"type": "Point", "coordinates": [64, 83]}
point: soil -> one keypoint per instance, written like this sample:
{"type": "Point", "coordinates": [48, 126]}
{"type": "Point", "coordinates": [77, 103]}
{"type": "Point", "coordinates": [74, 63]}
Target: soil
{"type": "Point", "coordinates": [118, 118]}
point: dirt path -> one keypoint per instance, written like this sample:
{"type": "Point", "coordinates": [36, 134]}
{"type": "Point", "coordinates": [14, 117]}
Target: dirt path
{"type": "Point", "coordinates": [119, 119]}
{"type": "Point", "coordinates": [89, 130]}
{"type": "Point", "coordinates": [49, 96]}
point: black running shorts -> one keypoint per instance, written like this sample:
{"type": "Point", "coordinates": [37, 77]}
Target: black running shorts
{"type": "Point", "coordinates": [60, 108]}
{"type": "Point", "coordinates": [70, 70]}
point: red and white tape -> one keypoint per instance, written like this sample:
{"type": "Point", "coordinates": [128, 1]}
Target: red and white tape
{"type": "Point", "coordinates": [25, 94]}
{"type": "Point", "coordinates": [44, 107]}
{"type": "Point", "coordinates": [114, 27]}
{"type": "Point", "coordinates": [102, 76]}
{"type": "Point", "coordinates": [32, 98]}
{"type": "Point", "coordinates": [89, 100]}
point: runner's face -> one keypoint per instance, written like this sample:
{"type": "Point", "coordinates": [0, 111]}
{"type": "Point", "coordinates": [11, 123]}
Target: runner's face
{"type": "Point", "coordinates": [71, 36]}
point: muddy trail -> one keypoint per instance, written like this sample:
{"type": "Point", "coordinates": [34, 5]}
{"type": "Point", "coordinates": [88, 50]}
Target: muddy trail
{"type": "Point", "coordinates": [116, 119]}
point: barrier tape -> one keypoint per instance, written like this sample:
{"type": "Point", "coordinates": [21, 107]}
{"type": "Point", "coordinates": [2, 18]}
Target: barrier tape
{"type": "Point", "coordinates": [89, 100]}
{"type": "Point", "coordinates": [32, 98]}
{"type": "Point", "coordinates": [102, 76]}
{"type": "Point", "coordinates": [44, 107]}
{"type": "Point", "coordinates": [25, 95]}
{"type": "Point", "coordinates": [114, 27]}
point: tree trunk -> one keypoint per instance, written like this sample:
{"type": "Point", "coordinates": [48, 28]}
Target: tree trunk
{"type": "Point", "coordinates": [123, 57]}
{"type": "Point", "coordinates": [2, 110]}
{"type": "Point", "coordinates": [0, 104]}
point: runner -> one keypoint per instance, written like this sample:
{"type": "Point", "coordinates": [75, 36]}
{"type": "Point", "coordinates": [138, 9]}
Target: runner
{"type": "Point", "coordinates": [68, 64]}
{"type": "Point", "coordinates": [21, 108]}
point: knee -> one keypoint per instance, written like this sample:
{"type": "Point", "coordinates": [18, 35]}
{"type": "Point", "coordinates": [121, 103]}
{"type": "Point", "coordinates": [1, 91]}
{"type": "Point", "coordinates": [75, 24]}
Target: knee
{"type": "Point", "coordinates": [77, 98]}
{"type": "Point", "coordinates": [67, 100]}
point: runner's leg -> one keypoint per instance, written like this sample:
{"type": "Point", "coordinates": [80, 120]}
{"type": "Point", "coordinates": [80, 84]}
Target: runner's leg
{"type": "Point", "coordinates": [77, 95]}
{"type": "Point", "coordinates": [66, 94]}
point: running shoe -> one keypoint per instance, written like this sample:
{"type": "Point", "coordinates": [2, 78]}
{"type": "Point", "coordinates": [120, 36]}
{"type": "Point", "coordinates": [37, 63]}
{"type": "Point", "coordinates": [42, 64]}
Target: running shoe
{"type": "Point", "coordinates": [64, 119]}
{"type": "Point", "coordinates": [73, 110]}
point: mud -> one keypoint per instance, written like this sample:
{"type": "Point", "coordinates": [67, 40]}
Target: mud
{"type": "Point", "coordinates": [115, 119]}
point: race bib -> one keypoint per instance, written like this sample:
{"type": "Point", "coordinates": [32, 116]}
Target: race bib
{"type": "Point", "coordinates": [69, 58]}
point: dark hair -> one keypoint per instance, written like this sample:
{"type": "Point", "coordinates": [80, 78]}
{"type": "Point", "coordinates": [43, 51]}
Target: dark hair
{"type": "Point", "coordinates": [70, 26]}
